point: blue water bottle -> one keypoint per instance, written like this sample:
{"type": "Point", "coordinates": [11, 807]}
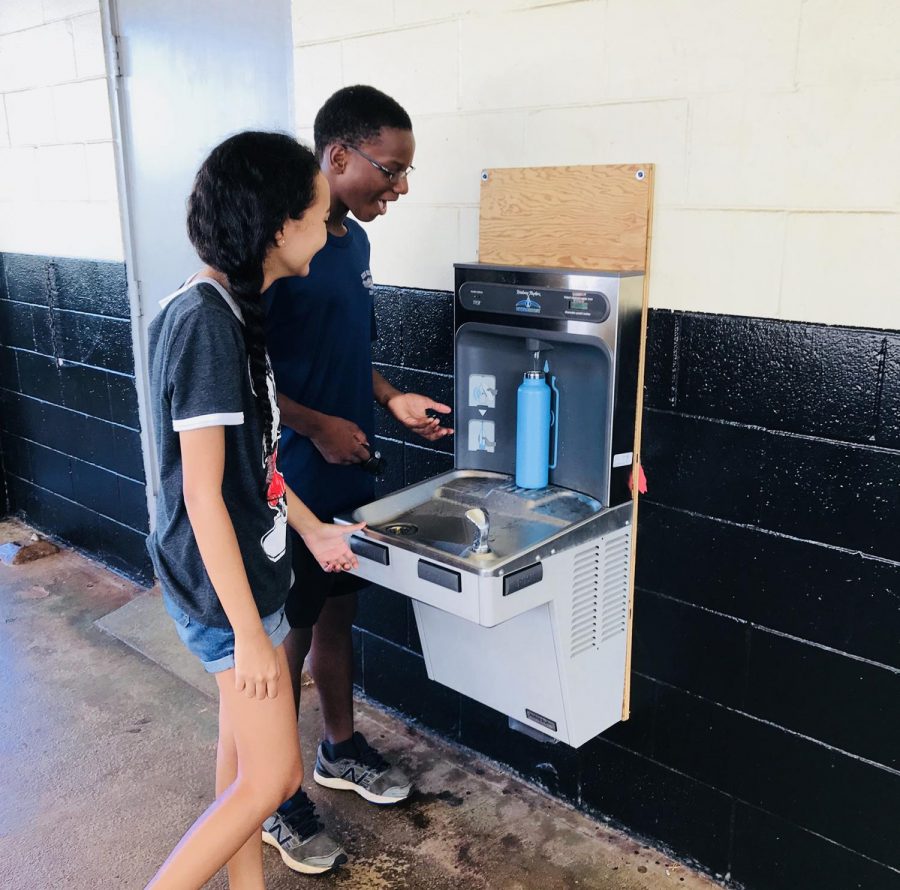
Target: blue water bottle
{"type": "Point", "coordinates": [533, 420]}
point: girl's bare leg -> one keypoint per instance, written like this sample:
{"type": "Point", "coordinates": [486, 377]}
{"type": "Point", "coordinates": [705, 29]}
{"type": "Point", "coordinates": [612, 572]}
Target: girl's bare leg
{"type": "Point", "coordinates": [269, 771]}
{"type": "Point", "coordinates": [245, 868]}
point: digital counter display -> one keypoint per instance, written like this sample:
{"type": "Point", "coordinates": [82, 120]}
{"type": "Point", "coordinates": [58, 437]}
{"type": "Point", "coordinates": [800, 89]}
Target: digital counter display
{"type": "Point", "coordinates": [508, 299]}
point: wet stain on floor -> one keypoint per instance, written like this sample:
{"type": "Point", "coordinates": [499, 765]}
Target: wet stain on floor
{"type": "Point", "coordinates": [447, 797]}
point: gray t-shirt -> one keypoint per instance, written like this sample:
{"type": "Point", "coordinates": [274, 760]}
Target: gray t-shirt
{"type": "Point", "coordinates": [200, 377]}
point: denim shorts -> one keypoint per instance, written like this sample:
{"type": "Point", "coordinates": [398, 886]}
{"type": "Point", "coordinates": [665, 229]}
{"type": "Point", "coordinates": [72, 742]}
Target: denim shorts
{"type": "Point", "coordinates": [214, 646]}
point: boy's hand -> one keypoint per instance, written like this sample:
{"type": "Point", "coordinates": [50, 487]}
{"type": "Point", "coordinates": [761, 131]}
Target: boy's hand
{"type": "Point", "coordinates": [340, 441]}
{"type": "Point", "coordinates": [329, 546]}
{"type": "Point", "coordinates": [409, 408]}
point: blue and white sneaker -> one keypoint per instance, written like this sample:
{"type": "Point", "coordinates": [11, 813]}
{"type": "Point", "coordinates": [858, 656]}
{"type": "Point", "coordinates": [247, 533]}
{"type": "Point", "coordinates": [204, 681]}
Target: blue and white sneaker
{"type": "Point", "coordinates": [295, 831]}
{"type": "Point", "coordinates": [355, 765]}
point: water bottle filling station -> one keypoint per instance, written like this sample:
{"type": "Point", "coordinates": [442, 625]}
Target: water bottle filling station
{"type": "Point", "coordinates": [517, 560]}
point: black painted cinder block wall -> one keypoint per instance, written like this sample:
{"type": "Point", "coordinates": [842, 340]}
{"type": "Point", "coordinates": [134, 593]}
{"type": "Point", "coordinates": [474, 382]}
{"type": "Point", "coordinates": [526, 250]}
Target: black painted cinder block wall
{"type": "Point", "coordinates": [765, 733]}
{"type": "Point", "coordinates": [69, 428]}
{"type": "Point", "coordinates": [414, 352]}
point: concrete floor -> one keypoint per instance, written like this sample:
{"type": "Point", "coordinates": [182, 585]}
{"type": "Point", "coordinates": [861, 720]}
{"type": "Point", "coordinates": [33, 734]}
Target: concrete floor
{"type": "Point", "coordinates": [107, 745]}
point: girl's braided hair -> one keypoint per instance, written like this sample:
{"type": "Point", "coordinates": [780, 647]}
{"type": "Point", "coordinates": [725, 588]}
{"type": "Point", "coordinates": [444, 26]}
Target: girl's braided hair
{"type": "Point", "coordinates": [243, 193]}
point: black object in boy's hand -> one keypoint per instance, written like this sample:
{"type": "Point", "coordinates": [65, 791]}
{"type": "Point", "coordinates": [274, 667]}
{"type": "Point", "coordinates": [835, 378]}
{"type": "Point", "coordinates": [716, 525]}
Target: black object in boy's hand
{"type": "Point", "coordinates": [443, 419]}
{"type": "Point", "coordinates": [375, 464]}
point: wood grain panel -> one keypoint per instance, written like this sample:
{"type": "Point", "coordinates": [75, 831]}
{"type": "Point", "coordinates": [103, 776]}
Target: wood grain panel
{"type": "Point", "coordinates": [584, 217]}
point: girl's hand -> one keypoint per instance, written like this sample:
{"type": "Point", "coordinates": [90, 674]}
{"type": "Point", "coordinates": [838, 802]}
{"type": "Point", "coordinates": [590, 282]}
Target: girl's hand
{"type": "Point", "coordinates": [256, 670]}
{"type": "Point", "coordinates": [328, 545]}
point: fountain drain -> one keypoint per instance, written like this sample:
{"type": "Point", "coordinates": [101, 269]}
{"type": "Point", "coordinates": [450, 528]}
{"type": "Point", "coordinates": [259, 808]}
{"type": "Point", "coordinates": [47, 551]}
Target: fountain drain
{"type": "Point", "coordinates": [402, 528]}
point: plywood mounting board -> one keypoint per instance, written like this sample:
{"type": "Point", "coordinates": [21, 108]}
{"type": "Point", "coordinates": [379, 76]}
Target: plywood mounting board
{"type": "Point", "coordinates": [584, 217]}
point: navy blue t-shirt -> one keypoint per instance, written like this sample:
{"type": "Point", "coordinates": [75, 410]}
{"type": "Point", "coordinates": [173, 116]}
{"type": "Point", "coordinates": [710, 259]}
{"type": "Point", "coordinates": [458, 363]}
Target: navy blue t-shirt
{"type": "Point", "coordinates": [319, 333]}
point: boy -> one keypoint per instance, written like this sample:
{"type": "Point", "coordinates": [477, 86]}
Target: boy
{"type": "Point", "coordinates": [319, 334]}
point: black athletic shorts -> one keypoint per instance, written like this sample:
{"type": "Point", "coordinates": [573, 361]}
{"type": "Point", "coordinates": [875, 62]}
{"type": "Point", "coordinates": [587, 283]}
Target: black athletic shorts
{"type": "Point", "coordinates": [313, 585]}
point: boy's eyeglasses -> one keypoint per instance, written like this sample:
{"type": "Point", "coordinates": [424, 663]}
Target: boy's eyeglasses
{"type": "Point", "coordinates": [394, 176]}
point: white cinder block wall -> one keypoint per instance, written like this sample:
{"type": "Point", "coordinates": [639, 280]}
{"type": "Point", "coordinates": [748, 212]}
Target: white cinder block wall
{"type": "Point", "coordinates": [774, 125]}
{"type": "Point", "coordinates": [58, 192]}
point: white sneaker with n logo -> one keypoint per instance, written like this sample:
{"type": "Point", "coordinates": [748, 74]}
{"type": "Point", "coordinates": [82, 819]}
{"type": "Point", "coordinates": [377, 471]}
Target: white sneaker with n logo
{"type": "Point", "coordinates": [359, 767]}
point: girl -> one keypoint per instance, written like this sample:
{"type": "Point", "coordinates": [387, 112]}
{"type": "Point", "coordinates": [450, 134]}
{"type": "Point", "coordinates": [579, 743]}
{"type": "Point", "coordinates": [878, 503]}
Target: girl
{"type": "Point", "coordinates": [257, 213]}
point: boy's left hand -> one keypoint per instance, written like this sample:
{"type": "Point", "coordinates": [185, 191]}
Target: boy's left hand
{"type": "Point", "coordinates": [409, 408]}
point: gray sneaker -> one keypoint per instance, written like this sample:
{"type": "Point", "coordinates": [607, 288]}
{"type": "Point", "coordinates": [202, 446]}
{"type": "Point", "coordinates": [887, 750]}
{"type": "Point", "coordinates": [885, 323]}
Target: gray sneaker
{"type": "Point", "coordinates": [300, 838]}
{"type": "Point", "coordinates": [362, 770]}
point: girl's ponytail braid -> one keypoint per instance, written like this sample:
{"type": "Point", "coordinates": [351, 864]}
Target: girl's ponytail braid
{"type": "Point", "coordinates": [246, 293]}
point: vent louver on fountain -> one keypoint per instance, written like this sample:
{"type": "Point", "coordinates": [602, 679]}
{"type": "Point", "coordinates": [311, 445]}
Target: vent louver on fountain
{"type": "Point", "coordinates": [600, 593]}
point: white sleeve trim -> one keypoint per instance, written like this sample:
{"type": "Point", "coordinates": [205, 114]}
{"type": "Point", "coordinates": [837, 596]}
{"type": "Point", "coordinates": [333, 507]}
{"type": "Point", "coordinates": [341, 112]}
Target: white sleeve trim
{"type": "Point", "coordinates": [235, 418]}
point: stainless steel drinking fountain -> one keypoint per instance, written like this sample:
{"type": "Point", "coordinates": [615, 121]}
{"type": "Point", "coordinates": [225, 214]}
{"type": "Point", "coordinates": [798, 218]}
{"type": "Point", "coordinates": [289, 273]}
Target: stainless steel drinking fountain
{"type": "Point", "coordinates": [521, 595]}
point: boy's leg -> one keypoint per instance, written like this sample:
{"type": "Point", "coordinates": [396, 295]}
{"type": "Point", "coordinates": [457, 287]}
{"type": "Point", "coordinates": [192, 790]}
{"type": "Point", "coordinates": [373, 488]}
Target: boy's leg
{"type": "Point", "coordinates": [296, 648]}
{"type": "Point", "coordinates": [306, 597]}
{"type": "Point", "coordinates": [331, 664]}
{"type": "Point", "coordinates": [345, 760]}
{"type": "Point", "coordinates": [258, 727]}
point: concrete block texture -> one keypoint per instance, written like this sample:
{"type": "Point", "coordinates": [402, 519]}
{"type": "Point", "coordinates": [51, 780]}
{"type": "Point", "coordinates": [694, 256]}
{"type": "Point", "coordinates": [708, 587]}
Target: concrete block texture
{"type": "Point", "coordinates": [82, 111]}
{"type": "Point", "coordinates": [728, 262]}
{"type": "Point", "coordinates": [414, 246]}
{"type": "Point", "coordinates": [317, 74]}
{"type": "Point", "coordinates": [536, 57]}
{"type": "Point", "coordinates": [839, 269]}
{"type": "Point", "coordinates": [818, 148]}
{"type": "Point", "coordinates": [60, 9]}
{"type": "Point", "coordinates": [88, 38]}
{"type": "Point", "coordinates": [453, 149]}
{"type": "Point", "coordinates": [37, 57]}
{"type": "Point", "coordinates": [58, 228]}
{"type": "Point", "coordinates": [419, 68]}
{"type": "Point", "coordinates": [843, 41]}
{"type": "Point", "coordinates": [16, 15]}
{"type": "Point", "coordinates": [408, 12]}
{"type": "Point", "coordinates": [57, 183]}
{"type": "Point", "coordinates": [705, 46]}
{"type": "Point", "coordinates": [314, 22]}
{"type": "Point", "coordinates": [101, 170]}
{"type": "Point", "coordinates": [617, 133]}
{"type": "Point", "coordinates": [62, 173]}
{"type": "Point", "coordinates": [468, 235]}
{"type": "Point", "coordinates": [31, 117]}
{"type": "Point", "coordinates": [18, 174]}
{"type": "Point", "coordinates": [774, 106]}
